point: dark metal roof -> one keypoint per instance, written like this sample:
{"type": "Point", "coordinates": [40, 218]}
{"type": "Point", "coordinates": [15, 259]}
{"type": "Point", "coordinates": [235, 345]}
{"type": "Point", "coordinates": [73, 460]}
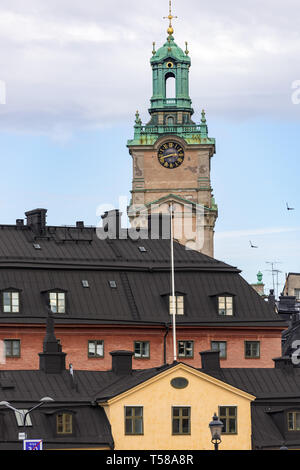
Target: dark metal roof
{"type": "Point", "coordinates": [262, 382]}
{"type": "Point", "coordinates": [73, 246]}
{"type": "Point", "coordinates": [140, 297]}
{"type": "Point", "coordinates": [276, 390]}
{"type": "Point", "coordinates": [68, 255]}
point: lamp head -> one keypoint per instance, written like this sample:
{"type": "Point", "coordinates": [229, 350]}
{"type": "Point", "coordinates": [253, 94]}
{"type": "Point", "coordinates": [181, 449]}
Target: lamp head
{"type": "Point", "coordinates": [216, 427]}
{"type": "Point", "coordinates": [4, 403]}
{"type": "Point", "coordinates": [46, 399]}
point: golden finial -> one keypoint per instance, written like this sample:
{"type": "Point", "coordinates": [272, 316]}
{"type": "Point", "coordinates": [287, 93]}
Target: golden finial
{"type": "Point", "coordinates": [186, 48]}
{"type": "Point", "coordinates": [170, 29]}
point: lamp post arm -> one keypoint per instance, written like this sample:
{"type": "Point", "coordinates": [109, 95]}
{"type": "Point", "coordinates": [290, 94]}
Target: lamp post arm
{"type": "Point", "coordinates": [29, 411]}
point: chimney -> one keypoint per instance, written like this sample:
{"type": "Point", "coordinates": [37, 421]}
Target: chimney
{"type": "Point", "coordinates": [36, 220]}
{"type": "Point", "coordinates": [283, 362]}
{"type": "Point", "coordinates": [19, 222]}
{"type": "Point", "coordinates": [122, 362]}
{"type": "Point", "coordinates": [271, 299]}
{"type": "Point", "coordinates": [52, 359]}
{"type": "Point", "coordinates": [112, 223]}
{"type": "Point", "coordinates": [159, 226]}
{"type": "Point", "coordinates": [210, 360]}
{"type": "Point", "coordinates": [287, 307]}
{"type": "Point", "coordinates": [80, 224]}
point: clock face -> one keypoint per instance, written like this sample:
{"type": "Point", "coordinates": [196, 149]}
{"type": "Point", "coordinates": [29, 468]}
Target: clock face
{"type": "Point", "coordinates": [170, 155]}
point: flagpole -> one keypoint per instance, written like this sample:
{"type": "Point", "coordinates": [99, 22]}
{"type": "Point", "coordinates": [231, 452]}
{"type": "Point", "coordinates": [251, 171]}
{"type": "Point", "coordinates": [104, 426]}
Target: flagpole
{"type": "Point", "coordinates": [173, 288]}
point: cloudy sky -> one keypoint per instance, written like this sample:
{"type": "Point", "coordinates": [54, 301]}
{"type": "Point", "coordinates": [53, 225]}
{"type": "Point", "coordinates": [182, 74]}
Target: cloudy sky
{"type": "Point", "coordinates": [75, 72]}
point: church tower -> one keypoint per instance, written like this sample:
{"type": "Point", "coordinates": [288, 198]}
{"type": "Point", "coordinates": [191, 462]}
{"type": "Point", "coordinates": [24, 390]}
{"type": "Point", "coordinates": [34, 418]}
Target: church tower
{"type": "Point", "coordinates": [171, 154]}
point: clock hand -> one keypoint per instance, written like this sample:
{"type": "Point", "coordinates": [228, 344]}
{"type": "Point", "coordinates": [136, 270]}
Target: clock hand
{"type": "Point", "coordinates": [171, 155]}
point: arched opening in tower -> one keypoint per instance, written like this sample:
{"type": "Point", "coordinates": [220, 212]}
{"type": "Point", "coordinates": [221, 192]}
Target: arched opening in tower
{"type": "Point", "coordinates": [170, 86]}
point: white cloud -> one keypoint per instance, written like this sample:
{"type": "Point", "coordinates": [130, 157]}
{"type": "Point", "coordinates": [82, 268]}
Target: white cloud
{"type": "Point", "coordinates": [78, 64]}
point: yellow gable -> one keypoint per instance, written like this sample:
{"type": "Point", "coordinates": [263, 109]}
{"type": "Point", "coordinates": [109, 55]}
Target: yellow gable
{"type": "Point", "coordinates": [201, 397]}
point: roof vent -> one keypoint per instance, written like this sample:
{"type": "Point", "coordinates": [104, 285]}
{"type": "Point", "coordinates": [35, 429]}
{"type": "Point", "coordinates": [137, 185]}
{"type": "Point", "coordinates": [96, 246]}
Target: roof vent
{"type": "Point", "coordinates": [19, 222]}
{"type": "Point", "coordinates": [80, 224]}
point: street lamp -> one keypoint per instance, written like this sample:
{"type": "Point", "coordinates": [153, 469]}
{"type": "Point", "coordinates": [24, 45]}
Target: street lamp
{"type": "Point", "coordinates": [216, 427]}
{"type": "Point", "coordinates": [24, 415]}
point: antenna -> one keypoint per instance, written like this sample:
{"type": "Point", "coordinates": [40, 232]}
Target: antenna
{"type": "Point", "coordinates": [173, 287]}
{"type": "Point", "coordinates": [274, 272]}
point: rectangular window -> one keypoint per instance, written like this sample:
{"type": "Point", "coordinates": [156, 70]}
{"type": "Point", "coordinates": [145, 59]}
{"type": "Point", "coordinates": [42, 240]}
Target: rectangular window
{"type": "Point", "coordinates": [294, 421]}
{"type": "Point", "coordinates": [11, 302]}
{"type": "Point", "coordinates": [297, 293]}
{"type": "Point", "coordinates": [96, 348]}
{"type": "Point", "coordinates": [181, 420]}
{"type": "Point", "coordinates": [220, 346]}
{"type": "Point", "coordinates": [64, 423]}
{"type": "Point", "coordinates": [252, 349]}
{"type": "Point", "coordinates": [134, 420]}
{"type": "Point", "coordinates": [179, 305]}
{"type": "Point", "coordinates": [57, 302]}
{"type": "Point", "coordinates": [228, 416]}
{"type": "Point", "coordinates": [141, 349]}
{"type": "Point", "coordinates": [185, 348]}
{"type": "Point", "coordinates": [225, 305]}
{"type": "Point", "coordinates": [12, 347]}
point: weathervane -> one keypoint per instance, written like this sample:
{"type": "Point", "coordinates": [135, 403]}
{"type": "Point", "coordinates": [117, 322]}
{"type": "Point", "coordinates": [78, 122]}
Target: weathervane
{"type": "Point", "coordinates": [170, 29]}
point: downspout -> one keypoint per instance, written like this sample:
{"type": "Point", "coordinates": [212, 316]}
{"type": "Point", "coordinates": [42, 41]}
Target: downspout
{"type": "Point", "coordinates": [165, 342]}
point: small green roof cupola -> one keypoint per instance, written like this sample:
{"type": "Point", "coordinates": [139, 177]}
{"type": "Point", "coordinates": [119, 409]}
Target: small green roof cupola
{"type": "Point", "coordinates": [170, 62]}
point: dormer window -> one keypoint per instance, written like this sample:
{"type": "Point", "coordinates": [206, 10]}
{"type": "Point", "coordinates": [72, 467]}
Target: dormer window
{"type": "Point", "coordinates": [64, 423]}
{"type": "Point", "coordinates": [57, 302]}
{"type": "Point", "coordinates": [11, 302]}
{"type": "Point", "coordinates": [225, 305]}
{"type": "Point", "coordinates": [294, 421]}
{"type": "Point", "coordinates": [178, 304]}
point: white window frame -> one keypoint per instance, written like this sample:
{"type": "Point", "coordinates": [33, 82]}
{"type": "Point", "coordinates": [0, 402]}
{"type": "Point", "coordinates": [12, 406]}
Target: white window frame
{"type": "Point", "coordinates": [179, 304]}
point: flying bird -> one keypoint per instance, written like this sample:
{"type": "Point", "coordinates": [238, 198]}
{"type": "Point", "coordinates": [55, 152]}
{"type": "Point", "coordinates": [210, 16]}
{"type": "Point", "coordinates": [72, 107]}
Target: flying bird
{"type": "Point", "coordinates": [289, 208]}
{"type": "Point", "coordinates": [252, 246]}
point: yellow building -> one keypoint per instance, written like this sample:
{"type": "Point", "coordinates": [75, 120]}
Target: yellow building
{"type": "Point", "coordinates": [173, 409]}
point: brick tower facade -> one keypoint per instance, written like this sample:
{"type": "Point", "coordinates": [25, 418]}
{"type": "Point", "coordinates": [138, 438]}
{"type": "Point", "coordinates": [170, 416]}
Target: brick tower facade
{"type": "Point", "coordinates": [171, 154]}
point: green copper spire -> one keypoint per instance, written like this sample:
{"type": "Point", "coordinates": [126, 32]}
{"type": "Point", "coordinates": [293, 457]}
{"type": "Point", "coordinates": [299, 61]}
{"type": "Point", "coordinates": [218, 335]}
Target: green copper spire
{"type": "Point", "coordinates": [171, 114]}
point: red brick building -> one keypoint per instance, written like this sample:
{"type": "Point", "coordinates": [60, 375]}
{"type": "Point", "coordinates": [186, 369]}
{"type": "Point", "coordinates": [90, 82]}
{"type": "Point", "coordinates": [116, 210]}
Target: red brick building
{"type": "Point", "coordinates": [115, 294]}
